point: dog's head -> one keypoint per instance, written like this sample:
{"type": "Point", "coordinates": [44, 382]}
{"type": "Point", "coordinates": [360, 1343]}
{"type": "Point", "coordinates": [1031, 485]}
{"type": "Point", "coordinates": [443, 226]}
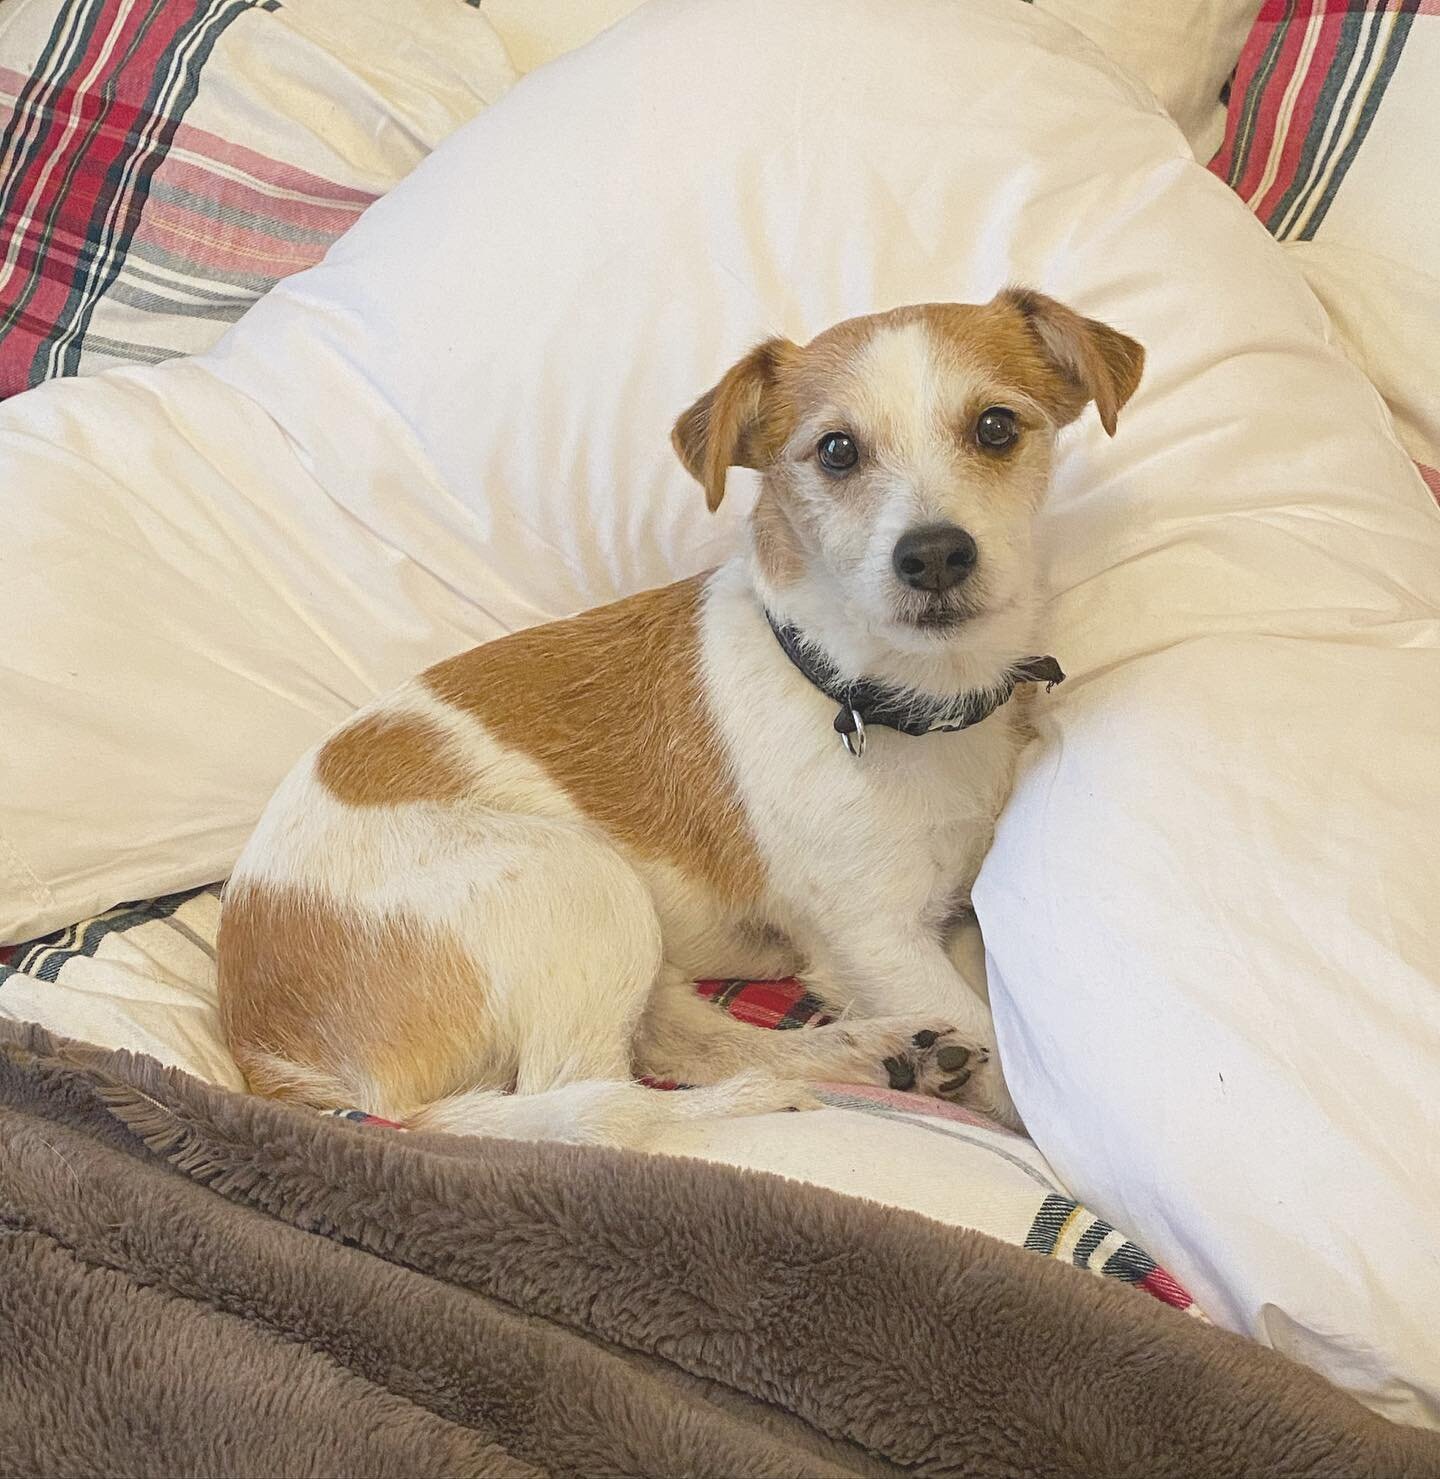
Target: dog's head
{"type": "Point", "coordinates": [903, 455]}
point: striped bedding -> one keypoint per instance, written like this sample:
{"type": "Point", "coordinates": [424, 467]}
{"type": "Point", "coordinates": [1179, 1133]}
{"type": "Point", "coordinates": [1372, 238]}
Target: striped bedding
{"type": "Point", "coordinates": [164, 162]}
{"type": "Point", "coordinates": [1333, 140]}
{"type": "Point", "coordinates": [143, 976]}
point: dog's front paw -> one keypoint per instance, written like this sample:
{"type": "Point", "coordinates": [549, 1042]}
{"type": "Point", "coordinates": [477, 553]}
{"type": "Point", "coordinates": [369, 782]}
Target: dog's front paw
{"type": "Point", "coordinates": [924, 1057]}
{"type": "Point", "coordinates": [938, 1061]}
{"type": "Point", "coordinates": [944, 1063]}
{"type": "Point", "coordinates": [986, 1092]}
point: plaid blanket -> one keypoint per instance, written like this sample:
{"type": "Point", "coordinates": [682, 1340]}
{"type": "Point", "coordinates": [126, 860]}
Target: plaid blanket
{"type": "Point", "coordinates": [1331, 138]}
{"type": "Point", "coordinates": [163, 164]}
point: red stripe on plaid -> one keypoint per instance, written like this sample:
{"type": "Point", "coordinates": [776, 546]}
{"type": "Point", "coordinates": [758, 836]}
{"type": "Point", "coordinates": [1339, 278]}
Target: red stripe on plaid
{"type": "Point", "coordinates": [210, 244]}
{"type": "Point", "coordinates": [1317, 63]}
{"type": "Point", "coordinates": [1266, 117]}
{"type": "Point", "coordinates": [1251, 123]}
{"type": "Point", "coordinates": [311, 211]}
{"type": "Point", "coordinates": [1166, 1289]}
{"type": "Point", "coordinates": [1429, 475]}
{"type": "Point", "coordinates": [297, 214]}
{"type": "Point", "coordinates": [272, 174]}
{"type": "Point", "coordinates": [82, 123]}
{"type": "Point", "coordinates": [765, 1003]}
{"type": "Point", "coordinates": [1310, 80]}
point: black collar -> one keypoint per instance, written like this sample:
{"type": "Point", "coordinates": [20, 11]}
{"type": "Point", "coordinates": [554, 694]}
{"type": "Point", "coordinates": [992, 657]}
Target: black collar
{"type": "Point", "coordinates": [869, 702]}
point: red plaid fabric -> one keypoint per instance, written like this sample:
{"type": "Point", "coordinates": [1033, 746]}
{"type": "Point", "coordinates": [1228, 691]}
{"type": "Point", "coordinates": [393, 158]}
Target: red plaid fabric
{"type": "Point", "coordinates": [766, 1003]}
{"type": "Point", "coordinates": [1310, 82]}
{"type": "Point", "coordinates": [163, 163]}
{"type": "Point", "coordinates": [1330, 137]}
{"type": "Point", "coordinates": [87, 129]}
{"type": "Point", "coordinates": [774, 1004]}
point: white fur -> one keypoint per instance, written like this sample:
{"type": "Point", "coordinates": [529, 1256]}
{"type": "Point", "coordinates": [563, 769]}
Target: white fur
{"type": "Point", "coordinates": [868, 859]}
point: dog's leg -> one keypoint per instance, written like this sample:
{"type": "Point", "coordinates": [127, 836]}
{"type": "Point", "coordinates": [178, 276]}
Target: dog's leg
{"type": "Point", "coordinates": [572, 943]}
{"type": "Point", "coordinates": [686, 1039]}
{"type": "Point", "coordinates": [966, 949]}
{"type": "Point", "coordinates": [872, 969]}
{"type": "Point", "coordinates": [507, 950]}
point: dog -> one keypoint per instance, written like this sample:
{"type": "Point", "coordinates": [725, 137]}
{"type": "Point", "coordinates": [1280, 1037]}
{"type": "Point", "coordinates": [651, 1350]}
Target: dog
{"type": "Point", "coordinates": [478, 906]}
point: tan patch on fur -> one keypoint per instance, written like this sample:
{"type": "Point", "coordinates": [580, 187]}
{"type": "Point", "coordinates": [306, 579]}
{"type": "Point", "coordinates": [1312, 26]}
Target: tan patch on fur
{"type": "Point", "coordinates": [389, 760]}
{"type": "Point", "coordinates": [777, 546]}
{"type": "Point", "coordinates": [356, 1005]}
{"type": "Point", "coordinates": [611, 705]}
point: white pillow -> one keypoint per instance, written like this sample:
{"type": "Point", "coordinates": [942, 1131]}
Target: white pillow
{"type": "Point", "coordinates": [1183, 50]}
{"type": "Point", "coordinates": [1385, 314]}
{"type": "Point", "coordinates": [1220, 859]}
{"type": "Point", "coordinates": [537, 31]}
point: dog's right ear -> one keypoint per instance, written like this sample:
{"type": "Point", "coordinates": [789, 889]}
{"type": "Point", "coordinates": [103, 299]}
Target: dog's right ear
{"type": "Point", "coordinates": [740, 423]}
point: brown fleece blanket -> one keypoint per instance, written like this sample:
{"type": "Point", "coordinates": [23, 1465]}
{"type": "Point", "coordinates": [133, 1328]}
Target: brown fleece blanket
{"type": "Point", "coordinates": [197, 1283]}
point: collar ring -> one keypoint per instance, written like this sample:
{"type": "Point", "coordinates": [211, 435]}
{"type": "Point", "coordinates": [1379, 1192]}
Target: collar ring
{"type": "Point", "coordinates": [854, 741]}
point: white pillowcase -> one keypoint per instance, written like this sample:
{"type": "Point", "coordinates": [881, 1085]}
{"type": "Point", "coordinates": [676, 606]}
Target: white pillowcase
{"type": "Point", "coordinates": [1386, 314]}
{"type": "Point", "coordinates": [538, 31]}
{"type": "Point", "coordinates": [1183, 50]}
{"type": "Point", "coordinates": [1211, 904]}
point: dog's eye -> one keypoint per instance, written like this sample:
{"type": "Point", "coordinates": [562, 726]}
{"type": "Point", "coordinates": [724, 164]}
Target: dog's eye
{"type": "Point", "coordinates": [996, 428]}
{"type": "Point", "coordinates": [837, 452]}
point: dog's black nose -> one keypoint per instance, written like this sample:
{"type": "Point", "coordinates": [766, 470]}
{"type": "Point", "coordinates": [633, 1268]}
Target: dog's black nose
{"type": "Point", "coordinates": [934, 557]}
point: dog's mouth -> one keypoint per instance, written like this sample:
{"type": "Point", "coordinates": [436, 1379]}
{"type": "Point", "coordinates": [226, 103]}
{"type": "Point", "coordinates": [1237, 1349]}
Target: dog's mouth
{"type": "Point", "coordinates": [940, 619]}
{"type": "Point", "coordinates": [937, 615]}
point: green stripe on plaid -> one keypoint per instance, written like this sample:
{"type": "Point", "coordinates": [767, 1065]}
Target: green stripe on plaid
{"type": "Point", "coordinates": [1245, 103]}
{"type": "Point", "coordinates": [1302, 225]}
{"type": "Point", "coordinates": [1062, 1228]}
{"type": "Point", "coordinates": [46, 958]}
{"type": "Point", "coordinates": [127, 181]}
{"type": "Point", "coordinates": [1308, 87]}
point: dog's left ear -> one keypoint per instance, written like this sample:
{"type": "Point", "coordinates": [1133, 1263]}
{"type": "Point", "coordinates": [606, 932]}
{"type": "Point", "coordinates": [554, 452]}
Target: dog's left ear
{"type": "Point", "coordinates": [1095, 362]}
{"type": "Point", "coordinates": [740, 423]}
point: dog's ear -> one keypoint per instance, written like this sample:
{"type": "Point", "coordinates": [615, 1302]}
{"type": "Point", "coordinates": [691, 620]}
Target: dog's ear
{"type": "Point", "coordinates": [1094, 362]}
{"type": "Point", "coordinates": [740, 423]}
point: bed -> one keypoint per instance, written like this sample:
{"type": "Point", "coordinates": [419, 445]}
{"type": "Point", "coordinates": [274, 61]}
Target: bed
{"type": "Point", "coordinates": [217, 484]}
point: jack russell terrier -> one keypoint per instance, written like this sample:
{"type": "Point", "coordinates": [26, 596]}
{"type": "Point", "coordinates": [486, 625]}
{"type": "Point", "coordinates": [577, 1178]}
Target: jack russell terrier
{"type": "Point", "coordinates": [505, 875]}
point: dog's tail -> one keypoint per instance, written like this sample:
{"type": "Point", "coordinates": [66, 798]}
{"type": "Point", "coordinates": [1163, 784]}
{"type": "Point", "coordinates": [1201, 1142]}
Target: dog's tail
{"type": "Point", "coordinates": [590, 1112]}
{"type": "Point", "coordinates": [606, 1112]}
